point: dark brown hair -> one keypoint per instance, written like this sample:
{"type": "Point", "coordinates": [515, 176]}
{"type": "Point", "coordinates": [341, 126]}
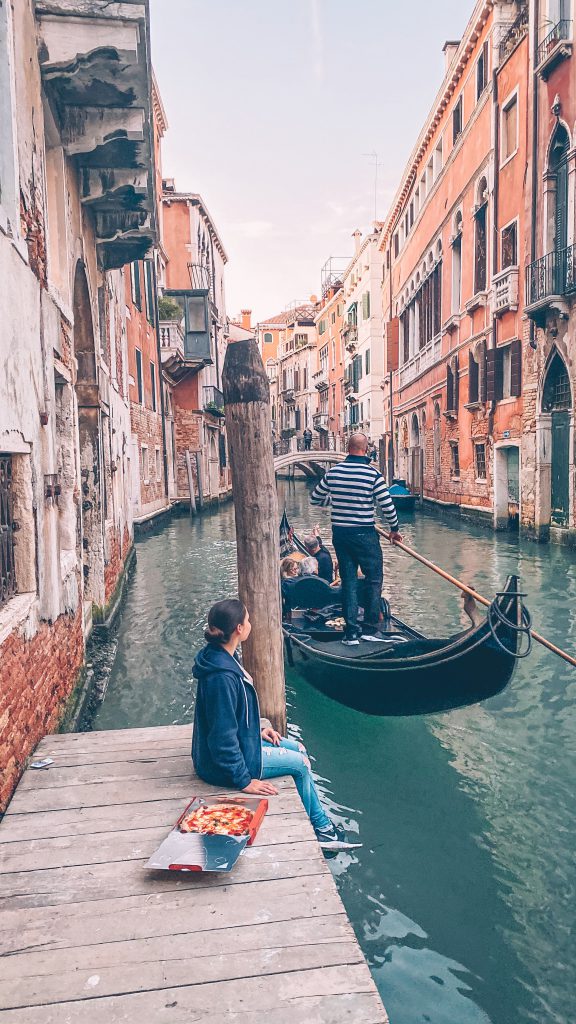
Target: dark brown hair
{"type": "Point", "coordinates": [223, 618]}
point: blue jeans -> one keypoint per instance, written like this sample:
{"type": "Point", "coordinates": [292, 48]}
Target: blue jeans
{"type": "Point", "coordinates": [290, 758]}
{"type": "Point", "coordinates": [359, 548]}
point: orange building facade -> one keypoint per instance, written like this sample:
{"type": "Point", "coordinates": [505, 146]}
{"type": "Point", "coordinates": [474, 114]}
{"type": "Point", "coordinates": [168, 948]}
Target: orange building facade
{"type": "Point", "coordinates": [452, 247]}
{"type": "Point", "coordinates": [328, 419]}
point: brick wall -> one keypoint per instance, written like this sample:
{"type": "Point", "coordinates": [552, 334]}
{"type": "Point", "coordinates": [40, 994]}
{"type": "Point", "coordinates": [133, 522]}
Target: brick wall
{"type": "Point", "coordinates": [36, 678]}
{"type": "Point", "coordinates": [188, 430]}
{"type": "Point", "coordinates": [115, 565]}
{"type": "Point", "coordinates": [147, 427]}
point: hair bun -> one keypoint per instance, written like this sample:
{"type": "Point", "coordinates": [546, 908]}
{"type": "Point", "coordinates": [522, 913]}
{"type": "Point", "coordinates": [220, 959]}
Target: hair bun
{"type": "Point", "coordinates": [213, 635]}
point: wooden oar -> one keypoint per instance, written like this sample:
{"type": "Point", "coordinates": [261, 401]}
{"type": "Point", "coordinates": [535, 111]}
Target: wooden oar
{"type": "Point", "coordinates": [473, 593]}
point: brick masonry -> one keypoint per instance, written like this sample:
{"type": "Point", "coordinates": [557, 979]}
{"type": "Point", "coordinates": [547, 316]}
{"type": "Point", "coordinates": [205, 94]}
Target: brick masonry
{"type": "Point", "coordinates": [147, 427]}
{"type": "Point", "coordinates": [188, 430]}
{"type": "Point", "coordinates": [37, 676]}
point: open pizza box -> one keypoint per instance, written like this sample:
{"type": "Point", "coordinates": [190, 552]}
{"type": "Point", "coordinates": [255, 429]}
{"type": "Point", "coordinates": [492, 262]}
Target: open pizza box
{"type": "Point", "coordinates": [210, 834]}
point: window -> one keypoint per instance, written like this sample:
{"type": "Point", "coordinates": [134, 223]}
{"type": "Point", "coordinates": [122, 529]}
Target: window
{"type": "Point", "coordinates": [429, 174]}
{"type": "Point", "coordinates": [480, 239]}
{"type": "Point", "coordinates": [7, 569]}
{"type": "Point", "coordinates": [438, 159]}
{"type": "Point", "coordinates": [322, 327]}
{"type": "Point", "coordinates": [509, 143]}
{"type": "Point", "coordinates": [333, 318]}
{"type": "Point", "coordinates": [139, 377]}
{"type": "Point", "coordinates": [396, 244]}
{"type": "Point", "coordinates": [509, 245]}
{"type": "Point", "coordinates": [135, 284]}
{"type": "Point", "coordinates": [367, 361]}
{"type": "Point", "coordinates": [482, 71]}
{"type": "Point", "coordinates": [504, 371]}
{"type": "Point", "coordinates": [457, 264]}
{"type": "Point", "coordinates": [480, 461]}
{"type": "Point", "coordinates": [420, 320]}
{"type": "Point", "coordinates": [452, 386]}
{"type": "Point", "coordinates": [267, 338]}
{"type": "Point", "coordinates": [149, 284]}
{"type": "Point", "coordinates": [366, 306]}
{"type": "Point", "coordinates": [356, 374]}
{"type": "Point", "coordinates": [454, 459]}
{"type": "Point", "coordinates": [457, 121]}
{"type": "Point", "coordinates": [158, 465]}
{"type": "Point", "coordinates": [436, 439]}
{"type": "Point", "coordinates": [153, 385]}
{"type": "Point", "coordinates": [145, 464]}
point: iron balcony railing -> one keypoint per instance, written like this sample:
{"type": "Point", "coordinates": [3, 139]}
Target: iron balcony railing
{"type": "Point", "coordinates": [516, 31]}
{"type": "Point", "coordinates": [553, 274]}
{"type": "Point", "coordinates": [560, 32]}
{"type": "Point", "coordinates": [213, 400]}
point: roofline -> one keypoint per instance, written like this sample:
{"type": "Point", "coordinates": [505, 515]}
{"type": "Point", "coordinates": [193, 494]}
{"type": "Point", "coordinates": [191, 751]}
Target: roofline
{"type": "Point", "coordinates": [158, 105]}
{"type": "Point", "coordinates": [451, 78]}
{"type": "Point", "coordinates": [195, 199]}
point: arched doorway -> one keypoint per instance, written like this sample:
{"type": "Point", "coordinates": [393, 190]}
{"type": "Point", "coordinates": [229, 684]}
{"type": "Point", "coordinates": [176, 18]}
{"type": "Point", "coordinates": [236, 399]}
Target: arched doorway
{"type": "Point", "coordinates": [555, 425]}
{"type": "Point", "coordinates": [214, 466]}
{"type": "Point", "coordinates": [89, 430]}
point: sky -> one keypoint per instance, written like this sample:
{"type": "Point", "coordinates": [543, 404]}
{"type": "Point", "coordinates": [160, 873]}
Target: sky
{"type": "Point", "coordinates": [273, 107]}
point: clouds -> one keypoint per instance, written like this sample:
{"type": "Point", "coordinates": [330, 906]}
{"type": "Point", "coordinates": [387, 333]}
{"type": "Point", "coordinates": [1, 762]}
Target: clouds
{"type": "Point", "coordinates": [252, 229]}
{"type": "Point", "coordinates": [317, 40]}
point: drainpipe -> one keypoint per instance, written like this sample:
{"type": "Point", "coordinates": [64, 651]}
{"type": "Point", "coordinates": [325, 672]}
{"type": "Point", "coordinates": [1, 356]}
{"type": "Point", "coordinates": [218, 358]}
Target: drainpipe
{"type": "Point", "coordinates": [496, 128]}
{"type": "Point", "coordinates": [160, 382]}
{"type": "Point", "coordinates": [536, 9]}
{"type": "Point", "coordinates": [391, 442]}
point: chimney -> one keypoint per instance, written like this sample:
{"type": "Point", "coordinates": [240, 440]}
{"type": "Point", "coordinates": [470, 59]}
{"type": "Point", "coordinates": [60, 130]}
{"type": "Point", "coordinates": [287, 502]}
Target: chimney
{"type": "Point", "coordinates": [357, 236]}
{"type": "Point", "coordinates": [449, 50]}
{"type": "Point", "coordinates": [246, 319]}
{"type": "Point", "coordinates": [168, 185]}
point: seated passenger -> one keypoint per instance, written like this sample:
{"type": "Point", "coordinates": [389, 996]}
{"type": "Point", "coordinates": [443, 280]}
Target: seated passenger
{"type": "Point", "coordinates": [231, 745]}
{"type": "Point", "coordinates": [289, 568]}
{"type": "Point", "coordinates": [309, 567]}
{"type": "Point", "coordinates": [314, 547]}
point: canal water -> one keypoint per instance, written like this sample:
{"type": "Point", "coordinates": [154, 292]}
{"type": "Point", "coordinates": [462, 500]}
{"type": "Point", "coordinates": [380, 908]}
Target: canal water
{"type": "Point", "coordinates": [462, 895]}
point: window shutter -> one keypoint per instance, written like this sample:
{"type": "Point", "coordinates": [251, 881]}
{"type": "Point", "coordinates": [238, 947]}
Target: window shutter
{"type": "Point", "coordinates": [516, 368]}
{"type": "Point", "coordinates": [482, 373]}
{"type": "Point", "coordinates": [491, 375]}
{"type": "Point", "coordinates": [449, 389]}
{"type": "Point", "coordinates": [456, 383]}
{"type": "Point", "coordinates": [222, 450]}
{"type": "Point", "coordinates": [472, 378]}
{"type": "Point", "coordinates": [499, 375]}
{"type": "Point", "coordinates": [284, 380]}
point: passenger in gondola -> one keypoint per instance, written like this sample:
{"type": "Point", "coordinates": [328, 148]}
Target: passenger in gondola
{"type": "Point", "coordinates": [314, 546]}
{"type": "Point", "coordinates": [231, 745]}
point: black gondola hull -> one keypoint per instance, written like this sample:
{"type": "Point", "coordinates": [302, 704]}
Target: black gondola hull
{"type": "Point", "coordinates": [419, 677]}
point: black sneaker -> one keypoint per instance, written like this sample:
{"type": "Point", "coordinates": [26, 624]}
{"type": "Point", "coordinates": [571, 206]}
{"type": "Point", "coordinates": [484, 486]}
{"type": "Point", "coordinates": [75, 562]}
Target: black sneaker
{"type": "Point", "coordinates": [334, 838]}
{"type": "Point", "coordinates": [350, 641]}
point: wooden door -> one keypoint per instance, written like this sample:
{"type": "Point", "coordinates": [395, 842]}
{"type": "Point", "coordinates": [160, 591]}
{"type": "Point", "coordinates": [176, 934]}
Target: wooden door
{"type": "Point", "coordinates": [560, 468]}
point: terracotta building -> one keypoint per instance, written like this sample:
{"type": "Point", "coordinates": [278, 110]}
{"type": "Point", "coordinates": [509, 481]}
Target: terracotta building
{"type": "Point", "coordinates": [194, 347]}
{"type": "Point", "coordinates": [548, 479]}
{"type": "Point", "coordinates": [66, 230]}
{"type": "Point", "coordinates": [269, 335]}
{"type": "Point", "coordinates": [296, 366]}
{"type": "Point", "coordinates": [328, 380]}
{"type": "Point", "coordinates": [452, 246]}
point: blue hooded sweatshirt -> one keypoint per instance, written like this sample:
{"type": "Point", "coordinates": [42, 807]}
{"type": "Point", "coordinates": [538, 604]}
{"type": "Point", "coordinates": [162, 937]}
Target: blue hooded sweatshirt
{"type": "Point", "coordinates": [226, 742]}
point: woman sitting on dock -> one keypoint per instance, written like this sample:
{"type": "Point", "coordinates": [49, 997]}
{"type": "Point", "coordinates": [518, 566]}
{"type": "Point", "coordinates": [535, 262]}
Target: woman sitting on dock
{"type": "Point", "coordinates": [231, 744]}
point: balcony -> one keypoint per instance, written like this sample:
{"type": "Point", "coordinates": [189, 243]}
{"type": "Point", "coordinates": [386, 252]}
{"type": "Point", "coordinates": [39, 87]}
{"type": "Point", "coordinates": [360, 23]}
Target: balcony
{"type": "Point", "coordinates": [513, 35]}
{"type": "Point", "coordinates": [288, 396]}
{"type": "Point", "coordinates": [171, 337]}
{"type": "Point", "coordinates": [320, 421]}
{"type": "Point", "coordinates": [505, 291]}
{"type": "Point", "coordinates": [321, 380]}
{"type": "Point", "coordinates": [421, 362]}
{"type": "Point", "coordinates": [350, 387]}
{"type": "Point", "coordinates": [557, 46]}
{"type": "Point", "coordinates": [350, 337]}
{"type": "Point", "coordinates": [213, 400]}
{"type": "Point", "coordinates": [94, 60]}
{"type": "Point", "coordinates": [549, 280]}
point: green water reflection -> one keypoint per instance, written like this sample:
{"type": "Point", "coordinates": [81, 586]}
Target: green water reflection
{"type": "Point", "coordinates": [462, 895]}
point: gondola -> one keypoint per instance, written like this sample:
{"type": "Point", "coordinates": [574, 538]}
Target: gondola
{"type": "Point", "coordinates": [402, 496]}
{"type": "Point", "coordinates": [411, 673]}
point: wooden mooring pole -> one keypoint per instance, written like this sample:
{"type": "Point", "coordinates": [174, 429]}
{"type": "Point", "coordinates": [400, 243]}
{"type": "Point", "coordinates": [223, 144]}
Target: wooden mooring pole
{"type": "Point", "coordinates": [248, 427]}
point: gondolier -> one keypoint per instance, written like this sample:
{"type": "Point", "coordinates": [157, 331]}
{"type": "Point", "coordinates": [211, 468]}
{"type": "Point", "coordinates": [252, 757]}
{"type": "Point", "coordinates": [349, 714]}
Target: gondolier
{"type": "Point", "coordinates": [352, 488]}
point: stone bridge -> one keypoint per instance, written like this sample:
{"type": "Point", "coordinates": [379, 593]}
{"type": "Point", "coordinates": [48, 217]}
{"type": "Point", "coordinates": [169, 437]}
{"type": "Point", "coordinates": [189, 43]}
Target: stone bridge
{"type": "Point", "coordinates": [313, 463]}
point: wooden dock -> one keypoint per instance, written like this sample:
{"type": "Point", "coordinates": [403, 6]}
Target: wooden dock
{"type": "Point", "coordinates": [87, 936]}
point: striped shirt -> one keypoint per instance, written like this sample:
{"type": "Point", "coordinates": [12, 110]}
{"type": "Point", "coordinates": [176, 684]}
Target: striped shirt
{"type": "Point", "coordinates": [352, 488]}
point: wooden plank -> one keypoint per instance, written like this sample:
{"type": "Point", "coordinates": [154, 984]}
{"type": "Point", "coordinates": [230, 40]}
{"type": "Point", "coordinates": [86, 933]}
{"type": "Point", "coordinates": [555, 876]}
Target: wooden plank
{"type": "Point", "coordinates": [96, 774]}
{"type": "Point", "coordinates": [129, 844]}
{"type": "Point", "coordinates": [108, 738]}
{"type": "Point", "coordinates": [166, 913]}
{"type": "Point", "coordinates": [102, 881]}
{"type": "Point", "coordinates": [117, 817]}
{"type": "Point", "coordinates": [106, 794]}
{"type": "Point", "coordinates": [327, 995]}
{"type": "Point", "coordinates": [113, 977]}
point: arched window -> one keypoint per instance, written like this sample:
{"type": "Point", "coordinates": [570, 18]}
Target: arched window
{"type": "Point", "coordinates": [268, 338]}
{"type": "Point", "coordinates": [480, 237]}
{"type": "Point", "coordinates": [457, 263]}
{"type": "Point", "coordinates": [557, 394]}
{"type": "Point", "coordinates": [414, 432]}
{"type": "Point", "coordinates": [558, 168]}
{"type": "Point", "coordinates": [436, 439]}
